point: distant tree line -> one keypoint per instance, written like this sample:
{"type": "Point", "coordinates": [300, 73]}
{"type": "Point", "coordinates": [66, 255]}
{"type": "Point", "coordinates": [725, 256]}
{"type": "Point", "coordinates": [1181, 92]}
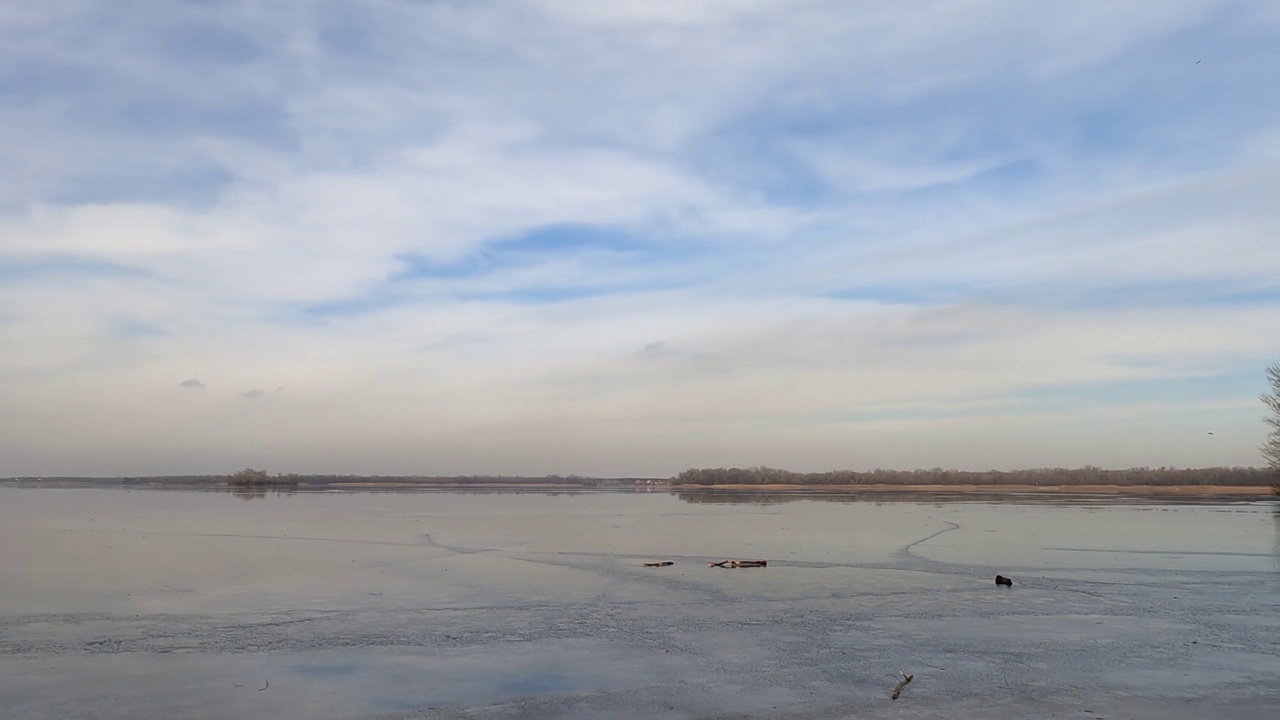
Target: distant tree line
{"type": "Point", "coordinates": [1089, 475]}
{"type": "Point", "coordinates": [249, 477]}
{"type": "Point", "coordinates": [259, 478]}
{"type": "Point", "coordinates": [578, 480]}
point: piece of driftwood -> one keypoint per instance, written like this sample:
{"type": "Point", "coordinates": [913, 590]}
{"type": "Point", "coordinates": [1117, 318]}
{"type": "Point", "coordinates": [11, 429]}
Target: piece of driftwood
{"type": "Point", "coordinates": [664, 563]}
{"type": "Point", "coordinates": [264, 687]}
{"type": "Point", "coordinates": [897, 689]}
{"type": "Point", "coordinates": [1002, 580]}
{"type": "Point", "coordinates": [739, 563]}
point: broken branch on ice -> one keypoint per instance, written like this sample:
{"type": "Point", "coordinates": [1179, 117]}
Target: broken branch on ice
{"type": "Point", "coordinates": [897, 689]}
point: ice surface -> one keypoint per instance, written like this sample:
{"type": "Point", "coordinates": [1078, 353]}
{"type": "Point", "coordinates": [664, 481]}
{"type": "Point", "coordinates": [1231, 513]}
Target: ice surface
{"type": "Point", "coordinates": [143, 604]}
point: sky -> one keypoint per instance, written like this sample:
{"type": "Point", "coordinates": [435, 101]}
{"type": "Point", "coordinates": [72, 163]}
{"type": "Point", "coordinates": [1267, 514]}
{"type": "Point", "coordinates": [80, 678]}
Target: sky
{"type": "Point", "coordinates": [629, 238]}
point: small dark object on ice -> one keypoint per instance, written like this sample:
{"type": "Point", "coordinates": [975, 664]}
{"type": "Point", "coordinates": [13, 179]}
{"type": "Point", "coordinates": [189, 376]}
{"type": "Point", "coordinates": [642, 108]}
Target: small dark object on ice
{"type": "Point", "coordinates": [664, 563]}
{"type": "Point", "coordinates": [1002, 580]}
{"type": "Point", "coordinates": [897, 690]}
{"type": "Point", "coordinates": [739, 563]}
{"type": "Point", "coordinates": [264, 687]}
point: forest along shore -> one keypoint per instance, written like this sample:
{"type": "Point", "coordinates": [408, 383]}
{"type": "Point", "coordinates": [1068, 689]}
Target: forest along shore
{"type": "Point", "coordinates": [1164, 481]}
{"type": "Point", "coordinates": [1243, 490]}
{"type": "Point", "coordinates": [1198, 491]}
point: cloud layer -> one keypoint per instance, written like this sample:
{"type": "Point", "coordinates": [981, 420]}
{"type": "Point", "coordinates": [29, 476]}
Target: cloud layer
{"type": "Point", "coordinates": [632, 237]}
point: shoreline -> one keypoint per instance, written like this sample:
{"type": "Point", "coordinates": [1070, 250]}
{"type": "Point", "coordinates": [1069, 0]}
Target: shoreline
{"type": "Point", "coordinates": [1257, 491]}
{"type": "Point", "coordinates": [374, 485]}
{"type": "Point", "coordinates": [1241, 490]}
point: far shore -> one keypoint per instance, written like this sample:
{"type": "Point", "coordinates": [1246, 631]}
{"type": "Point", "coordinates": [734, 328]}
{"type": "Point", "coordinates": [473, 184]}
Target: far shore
{"type": "Point", "coordinates": [1192, 490]}
{"type": "Point", "coordinates": [656, 486]}
{"type": "Point", "coordinates": [1258, 490]}
{"type": "Point", "coordinates": [375, 485]}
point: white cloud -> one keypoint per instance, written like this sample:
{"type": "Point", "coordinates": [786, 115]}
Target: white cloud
{"type": "Point", "coordinates": [1020, 194]}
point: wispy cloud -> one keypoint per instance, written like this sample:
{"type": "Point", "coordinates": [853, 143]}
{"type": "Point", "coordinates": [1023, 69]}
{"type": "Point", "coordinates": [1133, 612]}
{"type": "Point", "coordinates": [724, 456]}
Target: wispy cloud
{"type": "Point", "coordinates": [572, 236]}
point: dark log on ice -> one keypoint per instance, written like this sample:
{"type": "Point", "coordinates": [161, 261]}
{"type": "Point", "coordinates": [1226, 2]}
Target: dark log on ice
{"type": "Point", "coordinates": [739, 563]}
{"type": "Point", "coordinates": [1002, 580]}
{"type": "Point", "coordinates": [664, 563]}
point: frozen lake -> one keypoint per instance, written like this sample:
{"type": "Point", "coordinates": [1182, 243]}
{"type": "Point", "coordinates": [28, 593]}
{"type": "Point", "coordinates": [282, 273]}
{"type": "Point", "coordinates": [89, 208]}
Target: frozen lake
{"type": "Point", "coordinates": [166, 604]}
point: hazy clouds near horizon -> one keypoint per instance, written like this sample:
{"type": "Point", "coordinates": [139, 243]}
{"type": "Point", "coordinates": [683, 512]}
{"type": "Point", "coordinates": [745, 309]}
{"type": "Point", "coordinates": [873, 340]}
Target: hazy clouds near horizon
{"type": "Point", "coordinates": [565, 236]}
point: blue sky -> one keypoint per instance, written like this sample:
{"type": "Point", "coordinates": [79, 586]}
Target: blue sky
{"type": "Point", "coordinates": [564, 236]}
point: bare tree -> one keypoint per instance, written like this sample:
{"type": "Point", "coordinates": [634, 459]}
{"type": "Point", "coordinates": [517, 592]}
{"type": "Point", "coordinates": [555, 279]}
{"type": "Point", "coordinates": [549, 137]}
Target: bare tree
{"type": "Point", "coordinates": [1271, 448]}
{"type": "Point", "coordinates": [249, 476]}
